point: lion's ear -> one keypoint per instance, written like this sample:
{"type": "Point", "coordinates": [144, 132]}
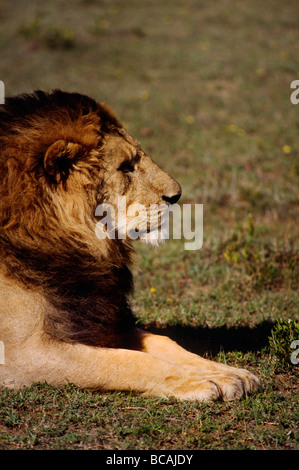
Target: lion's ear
{"type": "Point", "coordinates": [60, 157]}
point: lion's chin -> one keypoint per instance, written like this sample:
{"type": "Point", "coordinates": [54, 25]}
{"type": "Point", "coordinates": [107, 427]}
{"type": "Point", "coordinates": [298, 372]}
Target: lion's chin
{"type": "Point", "coordinates": [155, 237]}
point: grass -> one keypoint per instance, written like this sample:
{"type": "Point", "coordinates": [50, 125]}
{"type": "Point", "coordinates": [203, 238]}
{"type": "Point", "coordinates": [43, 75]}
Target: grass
{"type": "Point", "coordinates": [206, 89]}
{"type": "Point", "coordinates": [44, 417]}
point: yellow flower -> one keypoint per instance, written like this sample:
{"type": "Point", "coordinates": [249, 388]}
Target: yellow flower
{"type": "Point", "coordinates": [261, 73]}
{"type": "Point", "coordinates": [152, 289]}
{"type": "Point", "coordinates": [144, 95]}
{"type": "Point", "coordinates": [170, 299]}
{"type": "Point", "coordinates": [190, 119]}
{"type": "Point", "coordinates": [104, 24]}
{"type": "Point", "coordinates": [237, 130]}
{"type": "Point", "coordinates": [286, 149]}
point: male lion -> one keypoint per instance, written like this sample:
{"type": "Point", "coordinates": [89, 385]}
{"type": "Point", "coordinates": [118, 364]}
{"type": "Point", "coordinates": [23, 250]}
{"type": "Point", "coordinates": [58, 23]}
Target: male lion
{"type": "Point", "coordinates": [65, 314]}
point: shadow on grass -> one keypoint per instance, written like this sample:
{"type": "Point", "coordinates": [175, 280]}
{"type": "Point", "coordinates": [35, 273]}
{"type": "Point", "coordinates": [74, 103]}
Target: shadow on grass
{"type": "Point", "coordinates": [213, 340]}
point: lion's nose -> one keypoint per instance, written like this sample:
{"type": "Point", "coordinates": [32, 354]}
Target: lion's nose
{"type": "Point", "coordinates": [172, 199]}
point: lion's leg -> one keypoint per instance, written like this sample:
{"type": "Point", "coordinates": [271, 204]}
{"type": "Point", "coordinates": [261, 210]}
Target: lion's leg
{"type": "Point", "coordinates": [110, 369]}
{"type": "Point", "coordinates": [226, 376]}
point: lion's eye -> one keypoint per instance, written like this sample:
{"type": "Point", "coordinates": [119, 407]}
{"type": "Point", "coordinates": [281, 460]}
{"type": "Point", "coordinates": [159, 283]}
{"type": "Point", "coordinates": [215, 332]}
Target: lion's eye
{"type": "Point", "coordinates": [126, 167]}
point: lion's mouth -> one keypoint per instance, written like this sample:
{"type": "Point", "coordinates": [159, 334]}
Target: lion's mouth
{"type": "Point", "coordinates": [148, 221]}
{"type": "Point", "coordinates": [136, 222]}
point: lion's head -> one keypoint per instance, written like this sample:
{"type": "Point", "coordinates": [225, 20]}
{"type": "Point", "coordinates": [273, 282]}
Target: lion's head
{"type": "Point", "coordinates": [62, 155]}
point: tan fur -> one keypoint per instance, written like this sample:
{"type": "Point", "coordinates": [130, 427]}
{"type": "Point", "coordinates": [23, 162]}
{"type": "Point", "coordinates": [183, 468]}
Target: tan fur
{"type": "Point", "coordinates": [52, 165]}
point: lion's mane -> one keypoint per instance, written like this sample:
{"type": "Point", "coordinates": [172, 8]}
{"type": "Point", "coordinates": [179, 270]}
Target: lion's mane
{"type": "Point", "coordinates": [47, 239]}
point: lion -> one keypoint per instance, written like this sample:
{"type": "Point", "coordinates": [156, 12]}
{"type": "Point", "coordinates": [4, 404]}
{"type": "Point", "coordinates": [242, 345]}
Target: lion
{"type": "Point", "coordinates": [64, 292]}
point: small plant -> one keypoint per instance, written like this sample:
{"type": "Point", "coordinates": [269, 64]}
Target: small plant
{"type": "Point", "coordinates": [32, 29]}
{"type": "Point", "coordinates": [56, 38]}
{"type": "Point", "coordinates": [48, 36]}
{"type": "Point", "coordinates": [282, 337]}
{"type": "Point", "coordinates": [266, 266]}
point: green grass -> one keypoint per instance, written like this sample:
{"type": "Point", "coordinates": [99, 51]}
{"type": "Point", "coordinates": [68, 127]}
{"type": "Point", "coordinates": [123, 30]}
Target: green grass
{"type": "Point", "coordinates": [44, 417]}
{"type": "Point", "coordinates": [205, 87]}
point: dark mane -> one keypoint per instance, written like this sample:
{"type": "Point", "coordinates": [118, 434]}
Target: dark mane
{"type": "Point", "coordinates": [87, 303]}
{"type": "Point", "coordinates": [86, 287]}
{"type": "Point", "coordinates": [22, 107]}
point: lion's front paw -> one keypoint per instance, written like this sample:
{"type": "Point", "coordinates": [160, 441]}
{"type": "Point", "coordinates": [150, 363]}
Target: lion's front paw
{"type": "Point", "coordinates": [234, 385]}
{"type": "Point", "coordinates": [224, 385]}
{"type": "Point", "coordinates": [250, 382]}
{"type": "Point", "coordinates": [231, 382]}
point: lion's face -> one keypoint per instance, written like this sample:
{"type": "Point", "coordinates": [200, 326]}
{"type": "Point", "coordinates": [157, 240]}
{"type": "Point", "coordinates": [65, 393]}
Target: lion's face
{"type": "Point", "coordinates": [141, 192]}
{"type": "Point", "coordinates": [63, 155]}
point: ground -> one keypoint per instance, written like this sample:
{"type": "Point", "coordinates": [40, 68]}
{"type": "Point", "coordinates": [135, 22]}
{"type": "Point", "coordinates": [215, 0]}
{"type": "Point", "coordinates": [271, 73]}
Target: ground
{"type": "Point", "coordinates": [206, 89]}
